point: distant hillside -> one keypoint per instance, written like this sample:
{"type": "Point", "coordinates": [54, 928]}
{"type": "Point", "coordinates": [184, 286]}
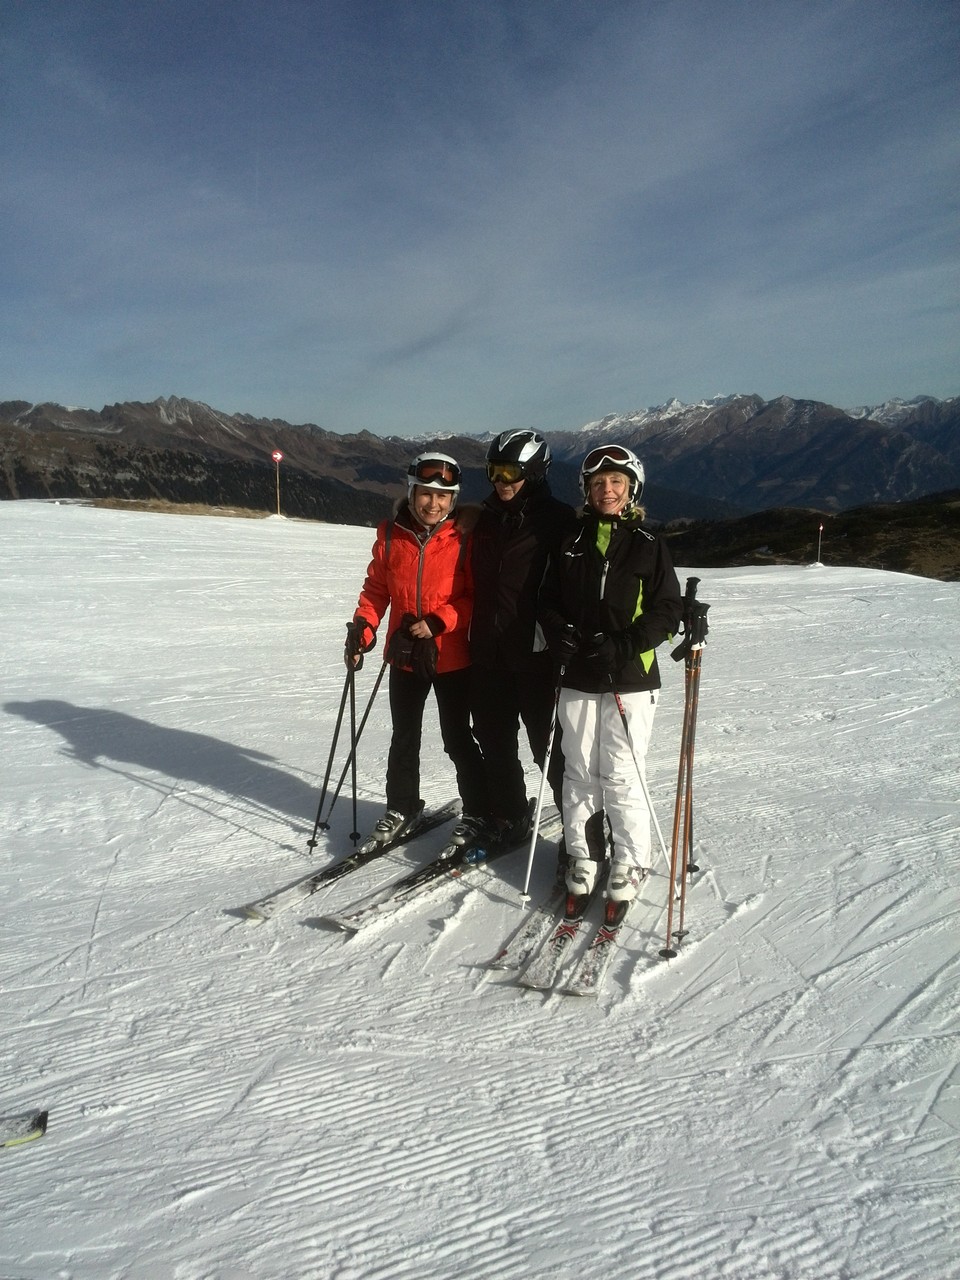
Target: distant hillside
{"type": "Point", "coordinates": [181, 451]}
{"type": "Point", "coordinates": [920, 537]}
{"type": "Point", "coordinates": [755, 454]}
{"type": "Point", "coordinates": [720, 458]}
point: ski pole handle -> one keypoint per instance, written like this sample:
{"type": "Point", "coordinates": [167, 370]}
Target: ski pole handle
{"type": "Point", "coordinates": [694, 622]}
{"type": "Point", "coordinates": [689, 604]}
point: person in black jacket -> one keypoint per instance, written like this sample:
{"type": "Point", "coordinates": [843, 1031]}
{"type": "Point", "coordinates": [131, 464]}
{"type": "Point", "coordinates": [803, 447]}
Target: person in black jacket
{"type": "Point", "coordinates": [512, 674]}
{"type": "Point", "coordinates": [611, 597]}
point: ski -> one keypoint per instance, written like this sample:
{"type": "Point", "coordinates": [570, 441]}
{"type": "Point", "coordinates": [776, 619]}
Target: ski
{"type": "Point", "coordinates": [305, 886]}
{"type": "Point", "coordinates": [591, 968]}
{"type": "Point", "coordinates": [519, 945]}
{"type": "Point", "coordinates": [25, 1127]}
{"type": "Point", "coordinates": [524, 939]}
{"type": "Point", "coordinates": [542, 971]}
{"type": "Point", "coordinates": [452, 863]}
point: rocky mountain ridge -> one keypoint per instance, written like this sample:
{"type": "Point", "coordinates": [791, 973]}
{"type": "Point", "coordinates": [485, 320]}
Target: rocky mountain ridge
{"type": "Point", "coordinates": [755, 454]}
{"type": "Point", "coordinates": [721, 457]}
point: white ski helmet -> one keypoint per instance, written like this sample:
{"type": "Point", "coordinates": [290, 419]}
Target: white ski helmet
{"type": "Point", "coordinates": [613, 457]}
{"type": "Point", "coordinates": [434, 471]}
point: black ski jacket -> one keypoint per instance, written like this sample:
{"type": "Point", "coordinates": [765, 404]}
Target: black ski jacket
{"type": "Point", "coordinates": [512, 543]}
{"type": "Point", "coordinates": [631, 588]}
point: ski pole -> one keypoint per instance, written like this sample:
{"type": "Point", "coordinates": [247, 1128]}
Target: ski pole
{"type": "Point", "coordinates": [551, 737]}
{"type": "Point", "coordinates": [680, 811]}
{"type": "Point", "coordinates": [679, 815]}
{"type": "Point", "coordinates": [355, 833]}
{"type": "Point", "coordinates": [694, 695]}
{"type": "Point", "coordinates": [325, 825]}
{"type": "Point", "coordinates": [312, 842]}
{"type": "Point", "coordinates": [695, 631]}
{"type": "Point", "coordinates": [688, 864]}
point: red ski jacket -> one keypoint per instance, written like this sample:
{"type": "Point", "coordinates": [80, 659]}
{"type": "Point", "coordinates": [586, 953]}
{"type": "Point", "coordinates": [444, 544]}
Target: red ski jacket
{"type": "Point", "coordinates": [428, 577]}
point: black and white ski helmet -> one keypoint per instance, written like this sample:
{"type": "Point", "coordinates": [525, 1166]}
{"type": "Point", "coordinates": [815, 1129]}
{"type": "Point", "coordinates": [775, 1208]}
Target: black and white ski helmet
{"type": "Point", "coordinates": [613, 457]}
{"type": "Point", "coordinates": [434, 471]}
{"type": "Point", "coordinates": [520, 448]}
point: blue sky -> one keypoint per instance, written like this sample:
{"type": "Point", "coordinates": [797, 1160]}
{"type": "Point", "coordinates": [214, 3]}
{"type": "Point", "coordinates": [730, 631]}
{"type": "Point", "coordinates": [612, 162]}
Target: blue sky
{"type": "Point", "coordinates": [433, 215]}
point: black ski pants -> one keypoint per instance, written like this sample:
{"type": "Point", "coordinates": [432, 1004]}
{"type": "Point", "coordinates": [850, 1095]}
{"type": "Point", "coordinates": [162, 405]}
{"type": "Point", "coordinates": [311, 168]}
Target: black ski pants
{"type": "Point", "coordinates": [500, 700]}
{"type": "Point", "coordinates": [408, 697]}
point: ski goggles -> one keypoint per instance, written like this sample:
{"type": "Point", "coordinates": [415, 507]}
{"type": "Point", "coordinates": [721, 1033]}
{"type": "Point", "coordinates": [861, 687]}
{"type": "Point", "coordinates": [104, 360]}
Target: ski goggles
{"type": "Point", "coordinates": [435, 471]}
{"type": "Point", "coordinates": [610, 457]}
{"type": "Point", "coordinates": [505, 472]}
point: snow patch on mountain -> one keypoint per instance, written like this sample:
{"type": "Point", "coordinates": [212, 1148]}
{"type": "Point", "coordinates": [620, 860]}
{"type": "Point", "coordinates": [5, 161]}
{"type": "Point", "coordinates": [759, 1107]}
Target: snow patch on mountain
{"type": "Point", "coordinates": [892, 412]}
{"type": "Point", "coordinates": [674, 416]}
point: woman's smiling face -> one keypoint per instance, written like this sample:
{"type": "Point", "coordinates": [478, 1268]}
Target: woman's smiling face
{"type": "Point", "coordinates": [430, 506]}
{"type": "Point", "coordinates": [608, 492]}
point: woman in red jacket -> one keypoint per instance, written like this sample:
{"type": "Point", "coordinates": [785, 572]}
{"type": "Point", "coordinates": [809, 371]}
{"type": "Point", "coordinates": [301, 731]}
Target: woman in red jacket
{"type": "Point", "coordinates": [420, 571]}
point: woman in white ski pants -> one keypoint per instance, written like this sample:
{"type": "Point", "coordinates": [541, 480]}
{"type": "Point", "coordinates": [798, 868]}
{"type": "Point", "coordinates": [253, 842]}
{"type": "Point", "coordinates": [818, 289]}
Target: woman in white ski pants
{"type": "Point", "coordinates": [610, 598]}
{"type": "Point", "coordinates": [603, 770]}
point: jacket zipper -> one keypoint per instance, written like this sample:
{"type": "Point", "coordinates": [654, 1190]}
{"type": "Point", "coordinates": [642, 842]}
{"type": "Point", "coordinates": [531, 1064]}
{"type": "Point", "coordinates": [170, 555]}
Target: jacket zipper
{"type": "Point", "coordinates": [423, 549]}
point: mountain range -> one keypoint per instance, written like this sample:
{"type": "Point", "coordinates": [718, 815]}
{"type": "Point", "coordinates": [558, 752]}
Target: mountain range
{"type": "Point", "coordinates": [719, 458]}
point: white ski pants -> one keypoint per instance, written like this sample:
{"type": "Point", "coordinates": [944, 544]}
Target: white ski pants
{"type": "Point", "coordinates": [602, 772]}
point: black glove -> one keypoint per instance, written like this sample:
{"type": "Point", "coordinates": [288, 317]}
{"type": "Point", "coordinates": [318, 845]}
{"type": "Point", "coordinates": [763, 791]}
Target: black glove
{"type": "Point", "coordinates": [423, 658]}
{"type": "Point", "coordinates": [568, 643]}
{"type": "Point", "coordinates": [361, 638]}
{"type": "Point", "coordinates": [400, 647]}
{"type": "Point", "coordinates": [606, 654]}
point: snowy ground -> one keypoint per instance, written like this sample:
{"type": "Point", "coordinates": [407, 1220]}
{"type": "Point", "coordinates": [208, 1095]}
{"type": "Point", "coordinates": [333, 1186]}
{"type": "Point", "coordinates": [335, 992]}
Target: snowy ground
{"type": "Point", "coordinates": [229, 1100]}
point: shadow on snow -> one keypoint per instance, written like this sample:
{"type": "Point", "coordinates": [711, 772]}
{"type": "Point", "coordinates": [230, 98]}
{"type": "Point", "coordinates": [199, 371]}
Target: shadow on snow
{"type": "Point", "coordinates": [103, 739]}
